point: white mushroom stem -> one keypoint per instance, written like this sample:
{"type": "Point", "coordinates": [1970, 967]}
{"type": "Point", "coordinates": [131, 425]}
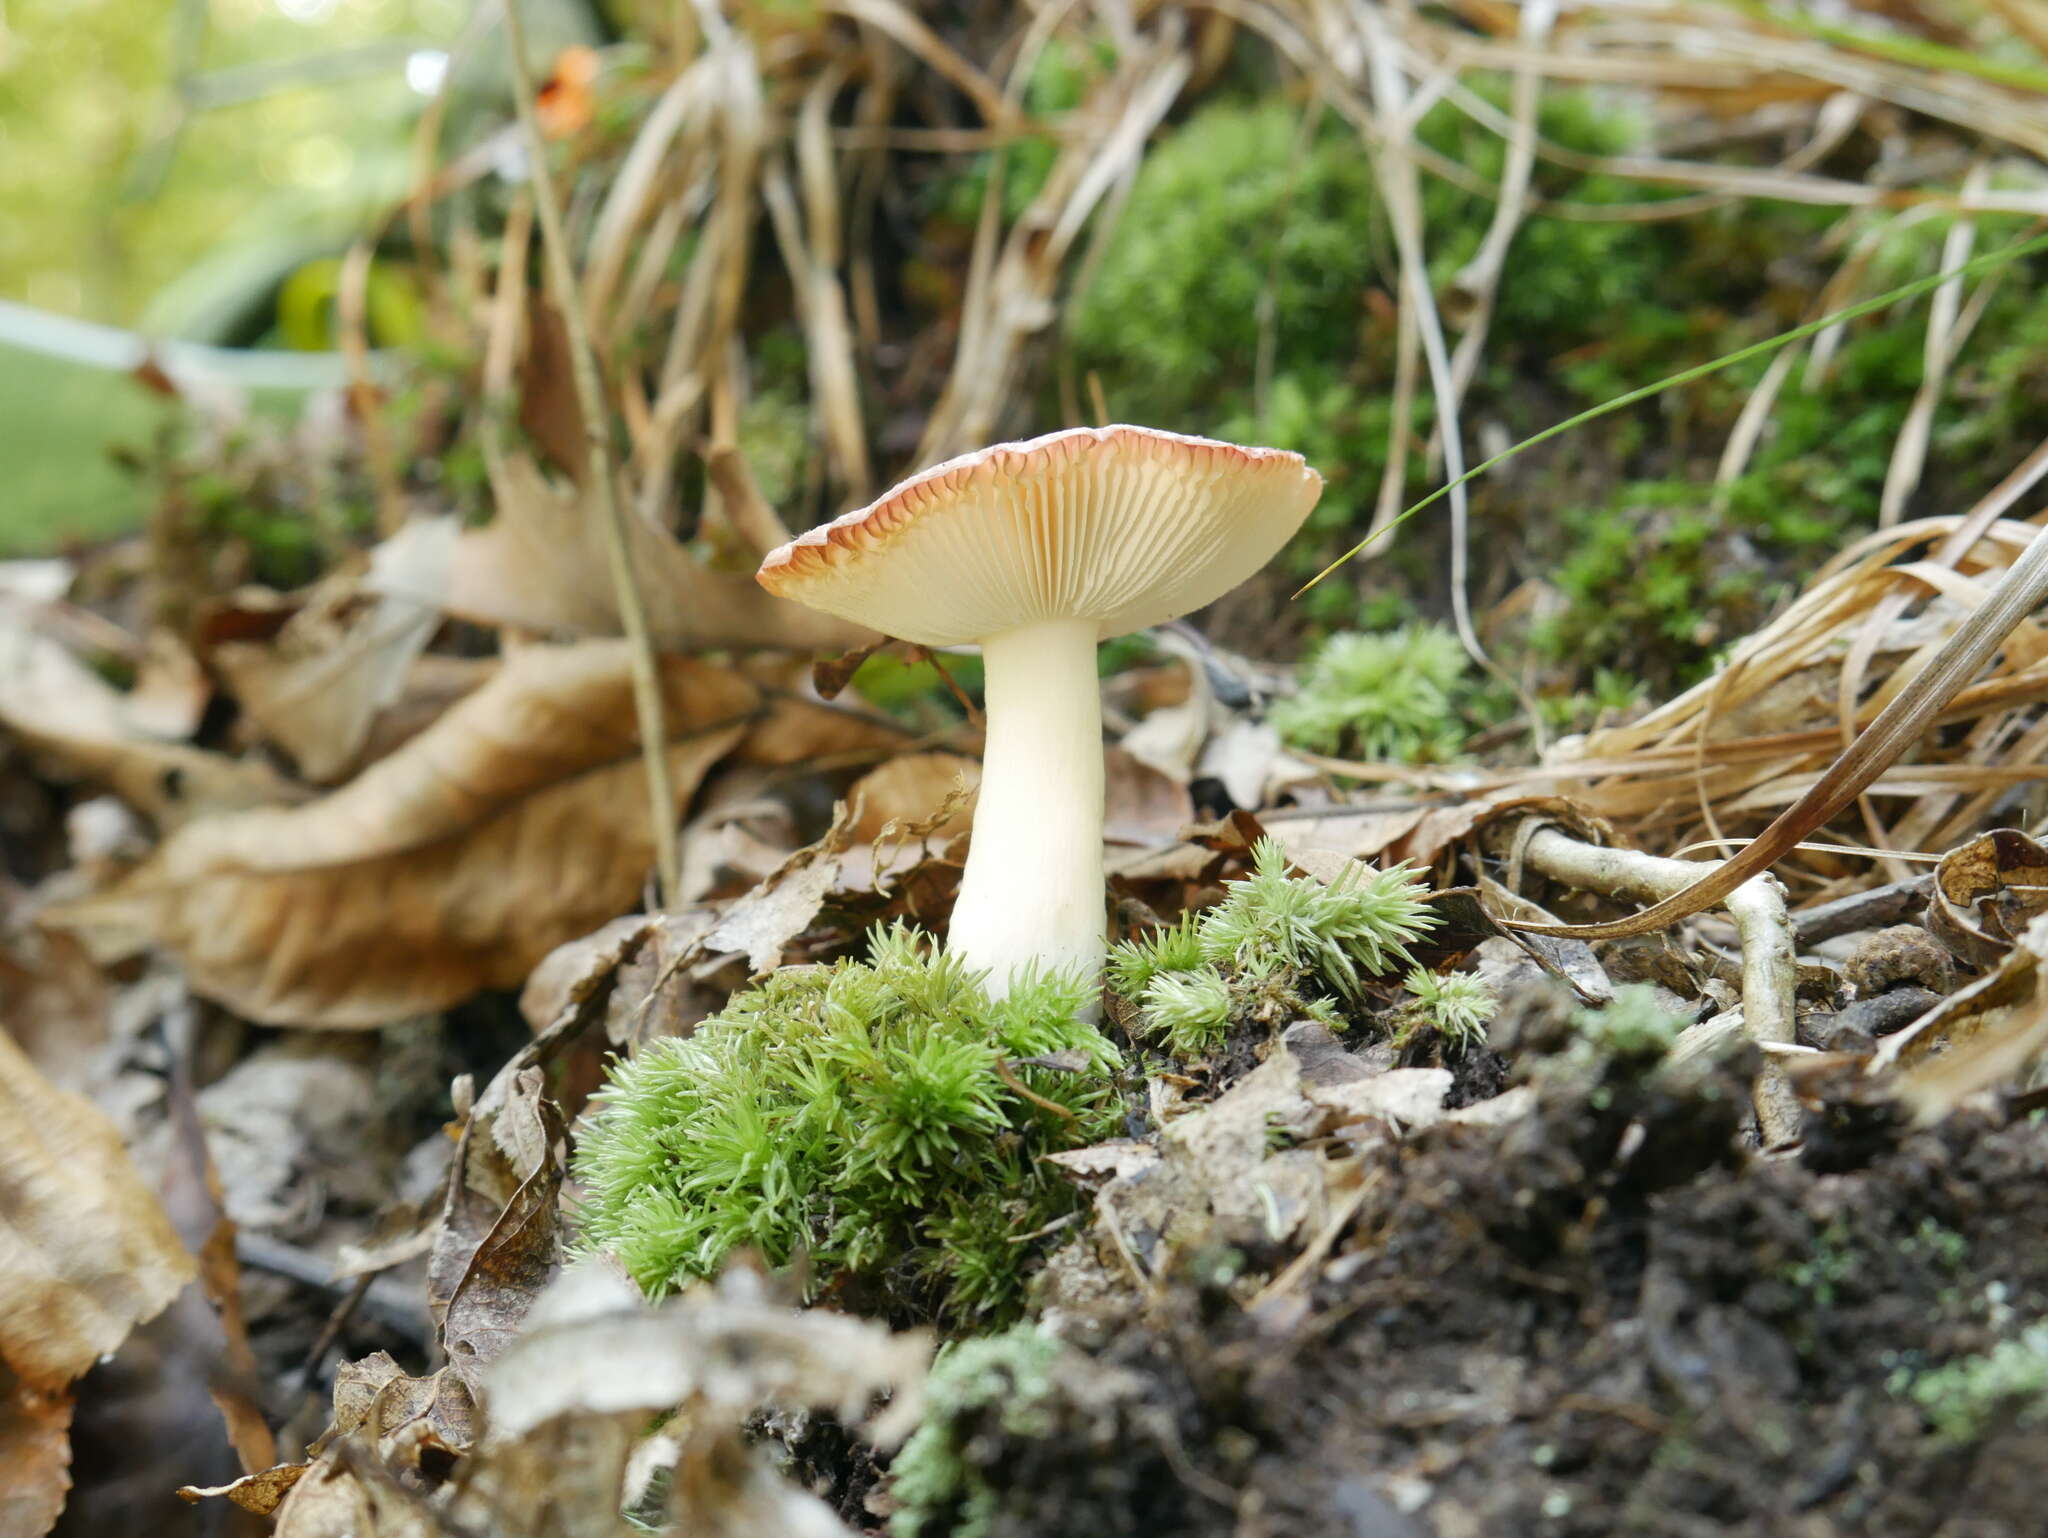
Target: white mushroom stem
{"type": "Point", "coordinates": [1032, 892]}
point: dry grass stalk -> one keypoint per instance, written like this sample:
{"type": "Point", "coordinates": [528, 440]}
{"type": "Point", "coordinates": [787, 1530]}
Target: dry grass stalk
{"type": "Point", "coordinates": [1724, 747]}
{"type": "Point", "coordinates": [647, 702]}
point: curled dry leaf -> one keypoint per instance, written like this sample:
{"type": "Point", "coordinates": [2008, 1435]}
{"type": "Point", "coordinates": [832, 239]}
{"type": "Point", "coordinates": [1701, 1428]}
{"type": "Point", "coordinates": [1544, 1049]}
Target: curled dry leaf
{"type": "Point", "coordinates": [495, 1248]}
{"type": "Point", "coordinates": [634, 975]}
{"type": "Point", "coordinates": [577, 1389]}
{"type": "Point", "coordinates": [384, 1425]}
{"type": "Point", "coordinates": [514, 823]}
{"type": "Point", "coordinates": [1977, 1036]}
{"type": "Point", "coordinates": [905, 812]}
{"type": "Point", "coordinates": [1986, 892]}
{"type": "Point", "coordinates": [1140, 805]}
{"type": "Point", "coordinates": [515, 1261]}
{"type": "Point", "coordinates": [570, 1402]}
{"type": "Point", "coordinates": [261, 1492]}
{"type": "Point", "coordinates": [576, 970]}
{"type": "Point", "coordinates": [911, 790]}
{"type": "Point", "coordinates": [796, 731]}
{"type": "Point", "coordinates": [541, 565]}
{"type": "Point", "coordinates": [596, 1345]}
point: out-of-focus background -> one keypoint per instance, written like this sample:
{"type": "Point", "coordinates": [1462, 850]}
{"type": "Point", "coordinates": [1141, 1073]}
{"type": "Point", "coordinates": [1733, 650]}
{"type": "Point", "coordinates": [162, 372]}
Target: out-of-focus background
{"type": "Point", "coordinates": [188, 171]}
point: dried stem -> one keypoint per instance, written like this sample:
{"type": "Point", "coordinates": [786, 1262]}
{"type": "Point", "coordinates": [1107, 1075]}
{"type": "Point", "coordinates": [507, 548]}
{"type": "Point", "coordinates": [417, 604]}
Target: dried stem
{"type": "Point", "coordinates": [603, 471]}
{"type": "Point", "coordinates": [1761, 920]}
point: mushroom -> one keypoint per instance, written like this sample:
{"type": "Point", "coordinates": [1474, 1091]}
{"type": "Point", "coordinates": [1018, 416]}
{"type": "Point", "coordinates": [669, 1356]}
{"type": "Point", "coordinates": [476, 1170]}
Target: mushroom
{"type": "Point", "coordinates": [1037, 551]}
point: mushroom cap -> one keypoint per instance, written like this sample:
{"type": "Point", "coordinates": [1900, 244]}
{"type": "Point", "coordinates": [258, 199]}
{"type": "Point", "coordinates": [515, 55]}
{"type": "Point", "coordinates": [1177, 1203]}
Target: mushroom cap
{"type": "Point", "coordinates": [1127, 526]}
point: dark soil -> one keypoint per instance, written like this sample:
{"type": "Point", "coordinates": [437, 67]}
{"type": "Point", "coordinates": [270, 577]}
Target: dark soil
{"type": "Point", "coordinates": [1605, 1317]}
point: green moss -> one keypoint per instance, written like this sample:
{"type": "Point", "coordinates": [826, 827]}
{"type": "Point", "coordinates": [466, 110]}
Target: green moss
{"type": "Point", "coordinates": [1965, 1399]}
{"type": "Point", "coordinates": [1633, 1024]}
{"type": "Point", "coordinates": [1275, 939]}
{"type": "Point", "coordinates": [1175, 947]}
{"type": "Point", "coordinates": [1653, 564]}
{"type": "Point", "coordinates": [1340, 933]}
{"type": "Point", "coordinates": [862, 1115]}
{"type": "Point", "coordinates": [1242, 212]}
{"type": "Point", "coordinates": [1006, 1379]}
{"type": "Point", "coordinates": [1234, 204]}
{"type": "Point", "coordinates": [1830, 1265]}
{"type": "Point", "coordinates": [1457, 1004]}
{"type": "Point", "coordinates": [1390, 698]}
{"type": "Point", "coordinates": [1189, 1011]}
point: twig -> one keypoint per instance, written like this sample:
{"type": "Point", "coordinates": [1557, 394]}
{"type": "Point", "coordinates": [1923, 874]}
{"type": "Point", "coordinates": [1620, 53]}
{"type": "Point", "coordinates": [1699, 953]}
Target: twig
{"type": "Point", "coordinates": [1873, 909]}
{"type": "Point", "coordinates": [554, 241]}
{"type": "Point", "coordinates": [1758, 908]}
{"type": "Point", "coordinates": [392, 1306]}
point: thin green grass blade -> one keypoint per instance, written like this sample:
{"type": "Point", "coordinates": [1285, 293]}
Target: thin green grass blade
{"type": "Point", "coordinates": [1970, 269]}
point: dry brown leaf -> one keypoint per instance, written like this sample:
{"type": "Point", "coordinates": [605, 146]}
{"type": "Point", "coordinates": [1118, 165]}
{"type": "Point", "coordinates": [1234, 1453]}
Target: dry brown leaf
{"type": "Point", "coordinates": [1140, 804]}
{"type": "Point", "coordinates": [911, 789]}
{"type": "Point", "coordinates": [516, 822]}
{"type": "Point", "coordinates": [511, 1267]}
{"type": "Point", "coordinates": [57, 1004]}
{"type": "Point", "coordinates": [812, 733]}
{"type": "Point", "coordinates": [346, 1495]}
{"type": "Point", "coordinates": [510, 1143]}
{"type": "Point", "coordinates": [549, 413]}
{"type": "Point", "coordinates": [261, 1492]}
{"type": "Point", "coordinates": [407, 1417]}
{"type": "Point", "coordinates": [764, 920]}
{"type": "Point", "coordinates": [1358, 833]}
{"type": "Point", "coordinates": [35, 1456]}
{"type": "Point", "coordinates": [171, 691]}
{"type": "Point", "coordinates": [317, 686]}
{"type": "Point", "coordinates": [60, 707]}
{"type": "Point", "coordinates": [86, 1252]}
{"type": "Point", "coordinates": [432, 684]}
{"type": "Point", "coordinates": [572, 1398]}
{"type": "Point", "coordinates": [597, 1345]}
{"type": "Point", "coordinates": [1171, 737]}
{"type": "Point", "coordinates": [634, 975]}
{"type": "Point", "coordinates": [577, 969]}
{"type": "Point", "coordinates": [541, 565]}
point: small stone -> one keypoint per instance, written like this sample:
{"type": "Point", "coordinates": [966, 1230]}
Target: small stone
{"type": "Point", "coordinates": [1833, 1033]}
{"type": "Point", "coordinates": [1904, 953]}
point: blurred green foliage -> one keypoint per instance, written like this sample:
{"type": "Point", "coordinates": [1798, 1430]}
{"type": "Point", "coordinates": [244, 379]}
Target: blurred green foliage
{"type": "Point", "coordinates": [113, 188]}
